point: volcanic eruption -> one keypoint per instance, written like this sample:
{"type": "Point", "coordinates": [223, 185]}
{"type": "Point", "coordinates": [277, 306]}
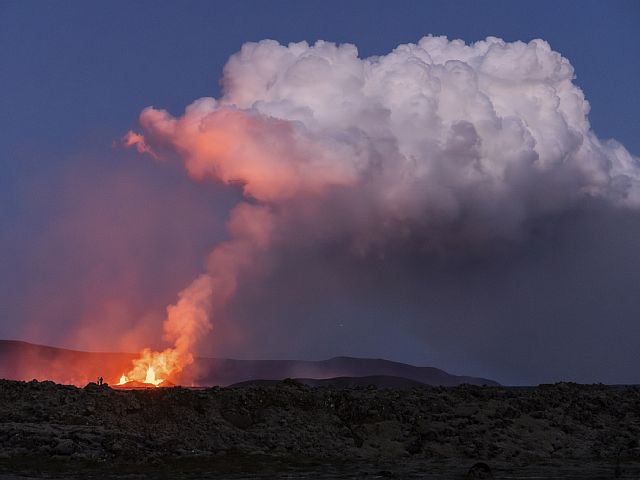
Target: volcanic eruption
{"type": "Point", "coordinates": [437, 146]}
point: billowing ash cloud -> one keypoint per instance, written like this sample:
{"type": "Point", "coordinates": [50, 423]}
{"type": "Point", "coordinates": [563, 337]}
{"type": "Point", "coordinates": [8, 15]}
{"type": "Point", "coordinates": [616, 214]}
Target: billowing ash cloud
{"type": "Point", "coordinates": [437, 148]}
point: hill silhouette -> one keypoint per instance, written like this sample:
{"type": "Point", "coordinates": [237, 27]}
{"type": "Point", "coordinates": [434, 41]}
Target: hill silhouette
{"type": "Point", "coordinates": [27, 361]}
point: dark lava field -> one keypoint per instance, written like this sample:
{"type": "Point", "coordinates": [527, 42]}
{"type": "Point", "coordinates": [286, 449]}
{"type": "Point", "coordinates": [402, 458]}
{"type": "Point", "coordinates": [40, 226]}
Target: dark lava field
{"type": "Point", "coordinates": [289, 430]}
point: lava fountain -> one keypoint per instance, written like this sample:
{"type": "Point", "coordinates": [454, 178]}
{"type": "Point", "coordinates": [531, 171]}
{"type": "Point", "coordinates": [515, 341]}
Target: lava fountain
{"type": "Point", "coordinates": [154, 368]}
{"type": "Point", "coordinates": [186, 321]}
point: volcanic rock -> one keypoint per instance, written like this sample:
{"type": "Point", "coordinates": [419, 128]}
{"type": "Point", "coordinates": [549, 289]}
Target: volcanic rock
{"type": "Point", "coordinates": [479, 471]}
{"type": "Point", "coordinates": [64, 447]}
{"type": "Point", "coordinates": [593, 425]}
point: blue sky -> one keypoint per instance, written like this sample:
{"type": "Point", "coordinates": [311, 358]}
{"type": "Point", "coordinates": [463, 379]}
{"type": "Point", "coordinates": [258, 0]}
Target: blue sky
{"type": "Point", "coordinates": [72, 68]}
{"type": "Point", "coordinates": [75, 75]}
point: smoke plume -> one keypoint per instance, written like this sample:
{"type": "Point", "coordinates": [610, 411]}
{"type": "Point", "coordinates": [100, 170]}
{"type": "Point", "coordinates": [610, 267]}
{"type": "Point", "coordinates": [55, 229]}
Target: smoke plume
{"type": "Point", "coordinates": [438, 148]}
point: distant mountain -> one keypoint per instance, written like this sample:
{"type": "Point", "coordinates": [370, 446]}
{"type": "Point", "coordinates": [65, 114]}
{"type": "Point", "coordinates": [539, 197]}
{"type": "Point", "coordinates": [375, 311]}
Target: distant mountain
{"type": "Point", "coordinates": [26, 361]}
{"type": "Point", "coordinates": [379, 381]}
{"type": "Point", "coordinates": [225, 371]}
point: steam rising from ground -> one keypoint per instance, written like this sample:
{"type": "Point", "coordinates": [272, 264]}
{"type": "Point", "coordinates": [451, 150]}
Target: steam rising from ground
{"type": "Point", "coordinates": [437, 147]}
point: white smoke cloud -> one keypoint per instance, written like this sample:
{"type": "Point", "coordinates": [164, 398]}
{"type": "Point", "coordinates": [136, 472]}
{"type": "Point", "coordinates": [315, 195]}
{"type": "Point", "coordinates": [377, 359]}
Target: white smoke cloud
{"type": "Point", "coordinates": [440, 143]}
{"type": "Point", "coordinates": [490, 133]}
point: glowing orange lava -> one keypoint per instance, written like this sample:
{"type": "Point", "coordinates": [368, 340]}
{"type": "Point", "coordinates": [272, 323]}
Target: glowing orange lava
{"type": "Point", "coordinates": [154, 368]}
{"type": "Point", "coordinates": [150, 378]}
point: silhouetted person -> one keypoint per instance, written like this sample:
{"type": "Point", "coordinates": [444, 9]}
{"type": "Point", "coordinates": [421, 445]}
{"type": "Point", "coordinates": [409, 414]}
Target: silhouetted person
{"type": "Point", "coordinates": [100, 380]}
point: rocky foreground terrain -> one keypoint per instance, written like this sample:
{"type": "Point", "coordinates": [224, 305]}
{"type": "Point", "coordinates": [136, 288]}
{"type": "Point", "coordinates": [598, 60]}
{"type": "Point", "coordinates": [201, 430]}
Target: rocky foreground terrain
{"type": "Point", "coordinates": [554, 431]}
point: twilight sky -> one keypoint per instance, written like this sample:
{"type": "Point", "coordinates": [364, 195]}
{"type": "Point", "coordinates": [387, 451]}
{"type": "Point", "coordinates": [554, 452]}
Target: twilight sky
{"type": "Point", "coordinates": [526, 276]}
